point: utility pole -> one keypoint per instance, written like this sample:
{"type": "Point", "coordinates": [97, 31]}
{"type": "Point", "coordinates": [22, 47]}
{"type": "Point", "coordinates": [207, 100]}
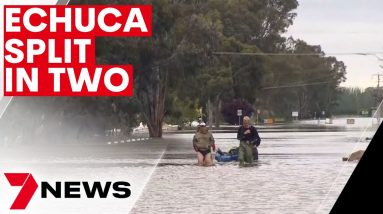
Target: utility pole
{"type": "Point", "coordinates": [379, 79]}
{"type": "Point", "coordinates": [378, 97]}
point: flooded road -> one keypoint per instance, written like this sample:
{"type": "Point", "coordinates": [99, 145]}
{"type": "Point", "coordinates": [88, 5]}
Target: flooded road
{"type": "Point", "coordinates": [298, 172]}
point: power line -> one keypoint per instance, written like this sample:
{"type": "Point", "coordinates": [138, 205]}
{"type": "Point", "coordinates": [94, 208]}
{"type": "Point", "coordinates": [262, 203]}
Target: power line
{"type": "Point", "coordinates": [372, 54]}
{"type": "Point", "coordinates": [292, 54]}
{"type": "Point", "coordinates": [293, 86]}
{"type": "Point", "coordinates": [268, 54]}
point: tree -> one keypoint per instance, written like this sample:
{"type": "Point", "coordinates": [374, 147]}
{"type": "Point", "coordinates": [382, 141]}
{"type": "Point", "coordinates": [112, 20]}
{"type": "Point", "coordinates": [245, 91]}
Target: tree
{"type": "Point", "coordinates": [305, 83]}
{"type": "Point", "coordinates": [179, 63]}
{"type": "Point", "coordinates": [352, 101]}
{"type": "Point", "coordinates": [229, 111]}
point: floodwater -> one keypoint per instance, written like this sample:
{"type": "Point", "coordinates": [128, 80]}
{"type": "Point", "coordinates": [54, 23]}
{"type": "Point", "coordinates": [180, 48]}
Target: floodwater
{"type": "Point", "coordinates": [298, 172]}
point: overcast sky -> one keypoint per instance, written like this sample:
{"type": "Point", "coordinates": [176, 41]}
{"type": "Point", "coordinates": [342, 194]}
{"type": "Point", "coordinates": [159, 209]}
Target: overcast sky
{"type": "Point", "coordinates": [341, 26]}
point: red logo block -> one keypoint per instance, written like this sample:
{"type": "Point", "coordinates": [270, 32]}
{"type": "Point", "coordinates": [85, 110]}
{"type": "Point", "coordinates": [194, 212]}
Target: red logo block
{"type": "Point", "coordinates": [28, 188]}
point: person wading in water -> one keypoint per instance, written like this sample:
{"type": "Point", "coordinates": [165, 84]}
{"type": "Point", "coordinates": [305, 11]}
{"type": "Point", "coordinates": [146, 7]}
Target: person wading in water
{"type": "Point", "coordinates": [203, 142]}
{"type": "Point", "coordinates": [249, 141]}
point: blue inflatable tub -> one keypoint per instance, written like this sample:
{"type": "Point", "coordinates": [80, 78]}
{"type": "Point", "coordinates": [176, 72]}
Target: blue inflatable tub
{"type": "Point", "coordinates": [226, 157]}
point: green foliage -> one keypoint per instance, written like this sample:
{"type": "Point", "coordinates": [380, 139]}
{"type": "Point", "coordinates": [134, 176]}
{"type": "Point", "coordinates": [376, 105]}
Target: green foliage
{"type": "Point", "coordinates": [181, 111]}
{"type": "Point", "coordinates": [230, 114]}
{"type": "Point", "coordinates": [307, 83]}
{"type": "Point", "coordinates": [352, 101]}
{"type": "Point", "coordinates": [179, 65]}
{"type": "Point", "coordinates": [177, 71]}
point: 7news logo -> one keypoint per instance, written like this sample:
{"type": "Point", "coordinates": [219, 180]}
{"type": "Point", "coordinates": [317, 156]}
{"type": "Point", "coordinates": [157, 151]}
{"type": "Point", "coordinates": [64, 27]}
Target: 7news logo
{"type": "Point", "coordinates": [71, 189]}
